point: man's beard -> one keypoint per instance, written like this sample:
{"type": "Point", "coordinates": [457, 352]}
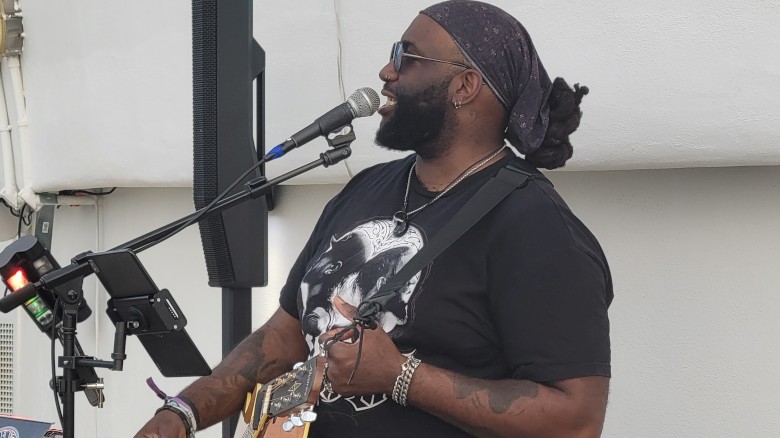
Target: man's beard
{"type": "Point", "coordinates": [418, 122]}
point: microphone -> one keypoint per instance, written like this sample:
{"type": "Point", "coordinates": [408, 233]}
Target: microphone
{"type": "Point", "coordinates": [18, 297]}
{"type": "Point", "coordinates": [362, 103]}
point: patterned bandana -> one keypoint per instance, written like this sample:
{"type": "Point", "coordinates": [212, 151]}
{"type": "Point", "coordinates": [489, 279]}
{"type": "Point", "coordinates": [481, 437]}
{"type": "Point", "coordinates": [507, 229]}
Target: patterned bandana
{"type": "Point", "coordinates": [499, 47]}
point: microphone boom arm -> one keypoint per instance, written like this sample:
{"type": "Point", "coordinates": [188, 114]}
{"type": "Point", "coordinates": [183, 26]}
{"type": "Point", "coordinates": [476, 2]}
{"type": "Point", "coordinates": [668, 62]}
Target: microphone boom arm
{"type": "Point", "coordinates": [254, 189]}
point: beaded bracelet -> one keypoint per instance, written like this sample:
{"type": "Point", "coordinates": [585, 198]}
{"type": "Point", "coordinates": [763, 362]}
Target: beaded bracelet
{"type": "Point", "coordinates": [401, 387]}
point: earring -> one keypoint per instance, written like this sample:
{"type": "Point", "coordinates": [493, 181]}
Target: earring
{"type": "Point", "coordinates": [458, 104]}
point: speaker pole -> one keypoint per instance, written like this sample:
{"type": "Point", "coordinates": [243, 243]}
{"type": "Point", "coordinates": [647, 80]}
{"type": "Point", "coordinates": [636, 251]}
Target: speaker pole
{"type": "Point", "coordinates": [236, 325]}
{"type": "Point", "coordinates": [226, 60]}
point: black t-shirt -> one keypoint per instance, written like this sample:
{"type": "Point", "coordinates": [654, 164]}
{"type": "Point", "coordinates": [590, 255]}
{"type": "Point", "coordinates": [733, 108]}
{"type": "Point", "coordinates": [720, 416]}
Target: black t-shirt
{"type": "Point", "coordinates": [523, 294]}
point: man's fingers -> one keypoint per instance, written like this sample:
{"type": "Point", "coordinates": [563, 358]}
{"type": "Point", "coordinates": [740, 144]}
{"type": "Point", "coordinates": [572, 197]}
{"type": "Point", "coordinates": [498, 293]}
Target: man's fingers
{"type": "Point", "coordinates": [344, 308]}
{"type": "Point", "coordinates": [343, 334]}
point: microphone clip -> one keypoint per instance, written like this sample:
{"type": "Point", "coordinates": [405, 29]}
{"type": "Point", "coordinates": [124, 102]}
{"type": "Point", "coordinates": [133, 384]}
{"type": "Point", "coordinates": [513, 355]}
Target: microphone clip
{"type": "Point", "coordinates": [341, 137]}
{"type": "Point", "coordinates": [340, 140]}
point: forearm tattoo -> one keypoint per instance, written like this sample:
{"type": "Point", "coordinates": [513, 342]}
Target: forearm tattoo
{"type": "Point", "coordinates": [221, 394]}
{"type": "Point", "coordinates": [499, 395]}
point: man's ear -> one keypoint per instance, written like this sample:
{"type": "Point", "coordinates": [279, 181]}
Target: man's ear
{"type": "Point", "coordinates": [467, 85]}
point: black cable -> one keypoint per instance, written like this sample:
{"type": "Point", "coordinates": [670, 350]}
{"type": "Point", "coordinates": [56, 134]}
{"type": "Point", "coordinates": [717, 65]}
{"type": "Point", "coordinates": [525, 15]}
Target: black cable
{"type": "Point", "coordinates": [14, 212]}
{"type": "Point", "coordinates": [53, 367]}
{"type": "Point", "coordinates": [205, 209]}
{"type": "Point", "coordinates": [86, 192]}
{"type": "Point", "coordinates": [21, 219]}
{"type": "Point", "coordinates": [29, 217]}
{"type": "Point", "coordinates": [8, 205]}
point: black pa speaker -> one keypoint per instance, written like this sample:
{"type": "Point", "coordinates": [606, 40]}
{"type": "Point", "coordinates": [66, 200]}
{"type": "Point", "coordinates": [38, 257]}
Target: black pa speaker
{"type": "Point", "coordinates": [225, 61]}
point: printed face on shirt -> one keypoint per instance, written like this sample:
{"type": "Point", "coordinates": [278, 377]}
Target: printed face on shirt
{"type": "Point", "coordinates": [354, 266]}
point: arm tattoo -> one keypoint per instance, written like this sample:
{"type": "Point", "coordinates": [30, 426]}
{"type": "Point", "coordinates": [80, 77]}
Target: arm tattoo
{"type": "Point", "coordinates": [221, 394]}
{"type": "Point", "coordinates": [501, 395]}
{"type": "Point", "coordinates": [252, 357]}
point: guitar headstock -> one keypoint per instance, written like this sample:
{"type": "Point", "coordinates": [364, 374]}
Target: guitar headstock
{"type": "Point", "coordinates": [293, 394]}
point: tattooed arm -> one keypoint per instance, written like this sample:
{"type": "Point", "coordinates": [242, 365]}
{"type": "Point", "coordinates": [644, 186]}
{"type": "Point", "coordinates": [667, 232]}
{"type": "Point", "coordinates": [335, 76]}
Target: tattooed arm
{"type": "Point", "coordinates": [263, 355]}
{"type": "Point", "coordinates": [483, 408]}
{"type": "Point", "coordinates": [512, 408]}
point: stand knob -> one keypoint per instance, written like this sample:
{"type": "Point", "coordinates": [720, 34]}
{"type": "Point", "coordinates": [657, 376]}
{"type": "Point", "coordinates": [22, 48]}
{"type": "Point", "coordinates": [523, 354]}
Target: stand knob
{"type": "Point", "coordinates": [98, 388]}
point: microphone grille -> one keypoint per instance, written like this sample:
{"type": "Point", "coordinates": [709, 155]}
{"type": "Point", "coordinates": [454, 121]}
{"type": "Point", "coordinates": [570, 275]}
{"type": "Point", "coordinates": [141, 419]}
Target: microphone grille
{"type": "Point", "coordinates": [364, 102]}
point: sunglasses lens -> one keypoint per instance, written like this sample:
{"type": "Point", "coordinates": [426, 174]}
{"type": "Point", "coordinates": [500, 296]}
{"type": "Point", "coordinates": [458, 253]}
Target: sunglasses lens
{"type": "Point", "coordinates": [397, 55]}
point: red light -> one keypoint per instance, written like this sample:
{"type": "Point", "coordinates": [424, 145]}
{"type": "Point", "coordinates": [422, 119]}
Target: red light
{"type": "Point", "coordinates": [17, 280]}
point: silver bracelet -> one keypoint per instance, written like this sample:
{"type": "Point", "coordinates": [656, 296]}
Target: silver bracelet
{"type": "Point", "coordinates": [401, 387]}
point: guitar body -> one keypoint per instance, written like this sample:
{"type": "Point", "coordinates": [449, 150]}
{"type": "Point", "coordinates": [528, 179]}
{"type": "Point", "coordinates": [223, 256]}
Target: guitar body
{"type": "Point", "coordinates": [273, 407]}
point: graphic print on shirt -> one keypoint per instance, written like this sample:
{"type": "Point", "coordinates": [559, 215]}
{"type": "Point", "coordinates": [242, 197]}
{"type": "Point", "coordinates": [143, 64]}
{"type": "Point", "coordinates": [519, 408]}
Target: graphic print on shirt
{"type": "Point", "coordinates": [354, 266]}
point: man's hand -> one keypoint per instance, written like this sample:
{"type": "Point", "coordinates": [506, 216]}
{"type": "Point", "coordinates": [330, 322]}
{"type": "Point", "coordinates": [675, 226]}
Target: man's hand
{"type": "Point", "coordinates": [166, 424]}
{"type": "Point", "coordinates": [380, 360]}
{"type": "Point", "coordinates": [263, 355]}
{"type": "Point", "coordinates": [484, 408]}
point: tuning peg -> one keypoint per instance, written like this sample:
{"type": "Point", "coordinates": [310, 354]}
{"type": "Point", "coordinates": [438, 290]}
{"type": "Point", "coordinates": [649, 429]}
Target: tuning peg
{"type": "Point", "coordinates": [297, 365]}
{"type": "Point", "coordinates": [287, 426]}
{"type": "Point", "coordinates": [308, 415]}
{"type": "Point", "coordinates": [296, 420]}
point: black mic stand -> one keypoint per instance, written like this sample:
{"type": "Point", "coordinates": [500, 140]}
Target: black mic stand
{"type": "Point", "coordinates": [66, 282]}
{"type": "Point", "coordinates": [70, 296]}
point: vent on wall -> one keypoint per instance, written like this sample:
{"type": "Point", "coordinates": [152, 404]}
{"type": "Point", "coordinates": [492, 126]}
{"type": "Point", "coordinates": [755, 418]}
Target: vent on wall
{"type": "Point", "coordinates": [6, 368]}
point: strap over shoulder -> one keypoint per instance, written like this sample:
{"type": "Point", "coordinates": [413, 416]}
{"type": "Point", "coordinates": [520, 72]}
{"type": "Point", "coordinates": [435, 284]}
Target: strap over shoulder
{"type": "Point", "coordinates": [510, 177]}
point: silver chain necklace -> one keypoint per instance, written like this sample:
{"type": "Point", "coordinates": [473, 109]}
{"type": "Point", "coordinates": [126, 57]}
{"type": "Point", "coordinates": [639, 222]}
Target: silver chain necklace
{"type": "Point", "coordinates": [401, 218]}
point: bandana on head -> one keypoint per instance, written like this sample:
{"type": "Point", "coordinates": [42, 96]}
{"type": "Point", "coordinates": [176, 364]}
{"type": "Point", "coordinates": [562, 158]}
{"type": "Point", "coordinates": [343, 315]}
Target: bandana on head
{"type": "Point", "coordinates": [499, 47]}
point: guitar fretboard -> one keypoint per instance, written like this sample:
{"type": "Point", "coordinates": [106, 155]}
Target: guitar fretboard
{"type": "Point", "coordinates": [248, 432]}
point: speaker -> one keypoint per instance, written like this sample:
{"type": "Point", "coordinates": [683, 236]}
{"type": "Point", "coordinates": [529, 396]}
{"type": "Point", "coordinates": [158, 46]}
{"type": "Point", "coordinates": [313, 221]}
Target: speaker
{"type": "Point", "coordinates": [225, 62]}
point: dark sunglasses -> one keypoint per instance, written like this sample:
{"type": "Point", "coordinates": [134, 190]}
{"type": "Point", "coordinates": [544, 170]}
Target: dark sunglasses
{"type": "Point", "coordinates": [397, 54]}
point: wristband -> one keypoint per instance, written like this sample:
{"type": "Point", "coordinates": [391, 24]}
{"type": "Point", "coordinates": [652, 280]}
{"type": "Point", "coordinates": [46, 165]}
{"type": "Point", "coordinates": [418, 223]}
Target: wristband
{"type": "Point", "coordinates": [183, 410]}
{"type": "Point", "coordinates": [181, 406]}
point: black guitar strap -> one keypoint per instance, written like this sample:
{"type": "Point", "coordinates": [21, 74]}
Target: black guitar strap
{"type": "Point", "coordinates": [508, 178]}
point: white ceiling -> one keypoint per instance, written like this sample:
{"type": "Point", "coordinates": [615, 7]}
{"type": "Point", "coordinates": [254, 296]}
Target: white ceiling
{"type": "Point", "coordinates": [673, 84]}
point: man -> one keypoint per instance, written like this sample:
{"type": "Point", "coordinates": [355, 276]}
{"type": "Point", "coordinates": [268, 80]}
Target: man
{"type": "Point", "coordinates": [506, 332]}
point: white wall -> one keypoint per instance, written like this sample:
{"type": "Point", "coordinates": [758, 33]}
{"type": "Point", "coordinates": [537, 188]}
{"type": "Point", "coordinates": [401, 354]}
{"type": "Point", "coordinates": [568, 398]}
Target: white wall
{"type": "Point", "coordinates": [673, 84]}
{"type": "Point", "coordinates": [694, 255]}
